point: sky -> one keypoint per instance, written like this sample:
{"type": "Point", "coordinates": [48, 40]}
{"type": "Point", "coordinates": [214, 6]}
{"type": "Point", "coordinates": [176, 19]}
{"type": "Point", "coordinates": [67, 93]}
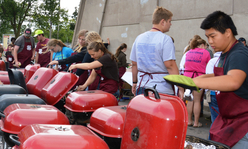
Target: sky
{"type": "Point", "coordinates": [69, 5]}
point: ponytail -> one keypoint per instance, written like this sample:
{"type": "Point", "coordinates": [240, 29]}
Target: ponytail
{"type": "Point", "coordinates": [197, 42]}
{"type": "Point", "coordinates": [96, 46]}
{"type": "Point", "coordinates": [121, 47]}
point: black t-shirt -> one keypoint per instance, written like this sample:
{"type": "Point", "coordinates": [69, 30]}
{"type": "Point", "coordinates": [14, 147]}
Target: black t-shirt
{"type": "Point", "coordinates": [106, 45]}
{"type": "Point", "coordinates": [109, 68]}
{"type": "Point", "coordinates": [237, 58]}
{"type": "Point", "coordinates": [74, 58]}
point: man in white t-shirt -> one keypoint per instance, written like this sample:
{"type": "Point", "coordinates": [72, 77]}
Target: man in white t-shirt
{"type": "Point", "coordinates": [153, 56]}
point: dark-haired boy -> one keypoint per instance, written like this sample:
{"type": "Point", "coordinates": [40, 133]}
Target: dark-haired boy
{"type": "Point", "coordinates": [229, 79]}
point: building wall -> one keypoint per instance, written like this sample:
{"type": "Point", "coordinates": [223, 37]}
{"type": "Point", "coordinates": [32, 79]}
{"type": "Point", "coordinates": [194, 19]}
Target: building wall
{"type": "Point", "coordinates": [123, 20]}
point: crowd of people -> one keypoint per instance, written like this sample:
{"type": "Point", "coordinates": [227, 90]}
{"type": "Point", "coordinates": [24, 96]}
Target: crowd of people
{"type": "Point", "coordinates": [221, 74]}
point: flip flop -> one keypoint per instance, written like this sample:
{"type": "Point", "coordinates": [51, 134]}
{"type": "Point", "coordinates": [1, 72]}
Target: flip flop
{"type": "Point", "coordinates": [190, 124]}
{"type": "Point", "coordinates": [199, 125]}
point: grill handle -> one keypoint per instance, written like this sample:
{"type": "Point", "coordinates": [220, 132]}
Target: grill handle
{"type": "Point", "coordinates": [14, 139]}
{"type": "Point", "coordinates": [155, 92]}
{"type": "Point", "coordinates": [49, 66]}
{"type": "Point", "coordinates": [70, 71]}
{"type": "Point", "coordinates": [2, 114]}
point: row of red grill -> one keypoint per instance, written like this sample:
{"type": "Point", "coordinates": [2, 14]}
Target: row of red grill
{"type": "Point", "coordinates": [149, 121]}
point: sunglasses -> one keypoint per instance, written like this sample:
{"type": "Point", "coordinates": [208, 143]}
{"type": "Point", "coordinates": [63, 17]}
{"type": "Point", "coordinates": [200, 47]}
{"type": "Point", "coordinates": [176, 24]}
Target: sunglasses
{"type": "Point", "coordinates": [241, 39]}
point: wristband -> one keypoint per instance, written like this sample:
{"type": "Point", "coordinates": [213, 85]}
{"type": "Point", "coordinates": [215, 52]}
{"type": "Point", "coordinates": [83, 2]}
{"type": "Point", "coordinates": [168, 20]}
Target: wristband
{"type": "Point", "coordinates": [134, 82]}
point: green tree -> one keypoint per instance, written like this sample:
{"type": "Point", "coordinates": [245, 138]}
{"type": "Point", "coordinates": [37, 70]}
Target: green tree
{"type": "Point", "coordinates": [75, 14]}
{"type": "Point", "coordinates": [14, 13]}
{"type": "Point", "coordinates": [48, 15]}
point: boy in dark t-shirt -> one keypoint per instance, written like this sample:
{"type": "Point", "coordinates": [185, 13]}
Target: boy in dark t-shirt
{"type": "Point", "coordinates": [230, 80]}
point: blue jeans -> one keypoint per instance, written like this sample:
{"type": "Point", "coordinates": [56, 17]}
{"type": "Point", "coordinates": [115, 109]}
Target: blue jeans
{"type": "Point", "coordinates": [139, 91]}
{"type": "Point", "coordinates": [214, 114]}
{"type": "Point", "coordinates": [213, 104]}
{"type": "Point", "coordinates": [242, 144]}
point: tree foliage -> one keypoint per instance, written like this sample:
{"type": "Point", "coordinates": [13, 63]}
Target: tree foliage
{"type": "Point", "coordinates": [14, 13]}
{"type": "Point", "coordinates": [48, 15]}
{"type": "Point", "coordinates": [37, 14]}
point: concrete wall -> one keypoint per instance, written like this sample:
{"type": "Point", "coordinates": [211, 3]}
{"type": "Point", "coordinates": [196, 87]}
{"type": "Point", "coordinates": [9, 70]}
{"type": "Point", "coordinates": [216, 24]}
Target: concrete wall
{"type": "Point", "coordinates": [123, 20]}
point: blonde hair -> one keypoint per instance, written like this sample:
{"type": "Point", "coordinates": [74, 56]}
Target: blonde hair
{"type": "Point", "coordinates": [159, 14]}
{"type": "Point", "coordinates": [54, 42]}
{"type": "Point", "coordinates": [82, 32]}
{"type": "Point", "coordinates": [77, 47]}
{"type": "Point", "coordinates": [92, 36]}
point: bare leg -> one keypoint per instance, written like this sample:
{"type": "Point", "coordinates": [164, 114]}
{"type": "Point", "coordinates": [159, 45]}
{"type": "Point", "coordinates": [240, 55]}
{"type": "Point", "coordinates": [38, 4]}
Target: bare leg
{"type": "Point", "coordinates": [190, 105]}
{"type": "Point", "coordinates": [197, 106]}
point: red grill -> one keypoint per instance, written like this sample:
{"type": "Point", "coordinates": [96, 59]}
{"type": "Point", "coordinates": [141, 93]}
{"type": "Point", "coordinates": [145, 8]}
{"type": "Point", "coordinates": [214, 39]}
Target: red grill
{"type": "Point", "coordinates": [158, 123]}
{"type": "Point", "coordinates": [58, 137]}
{"type": "Point", "coordinates": [39, 80]}
{"type": "Point", "coordinates": [57, 87]}
{"type": "Point", "coordinates": [80, 105]}
{"type": "Point", "coordinates": [2, 65]}
{"type": "Point", "coordinates": [17, 116]}
{"type": "Point", "coordinates": [108, 123]}
{"type": "Point", "coordinates": [30, 70]}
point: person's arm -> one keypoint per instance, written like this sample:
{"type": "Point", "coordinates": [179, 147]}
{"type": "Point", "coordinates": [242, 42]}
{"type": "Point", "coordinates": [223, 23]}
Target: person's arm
{"type": "Point", "coordinates": [87, 59]}
{"type": "Point", "coordinates": [206, 76]}
{"type": "Point", "coordinates": [51, 56]}
{"type": "Point", "coordinates": [89, 81]}
{"type": "Point", "coordinates": [33, 54]}
{"type": "Point", "coordinates": [108, 41]}
{"type": "Point", "coordinates": [16, 48]}
{"type": "Point", "coordinates": [171, 66]}
{"type": "Point", "coordinates": [53, 63]}
{"type": "Point", "coordinates": [86, 66]}
{"type": "Point", "coordinates": [135, 78]}
{"type": "Point", "coordinates": [36, 57]}
{"type": "Point", "coordinates": [72, 59]}
{"type": "Point", "coordinates": [229, 82]}
{"type": "Point", "coordinates": [33, 48]}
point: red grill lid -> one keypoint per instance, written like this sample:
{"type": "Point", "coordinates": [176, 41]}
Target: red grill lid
{"type": "Point", "coordinates": [30, 70]}
{"type": "Point", "coordinates": [59, 137]}
{"type": "Point", "coordinates": [4, 72]}
{"type": "Point", "coordinates": [17, 116]}
{"type": "Point", "coordinates": [108, 121]}
{"type": "Point", "coordinates": [58, 86]}
{"type": "Point", "coordinates": [159, 122]}
{"type": "Point", "coordinates": [89, 101]}
{"type": "Point", "coordinates": [4, 78]}
{"type": "Point", "coordinates": [2, 65]}
{"type": "Point", "coordinates": [39, 80]}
